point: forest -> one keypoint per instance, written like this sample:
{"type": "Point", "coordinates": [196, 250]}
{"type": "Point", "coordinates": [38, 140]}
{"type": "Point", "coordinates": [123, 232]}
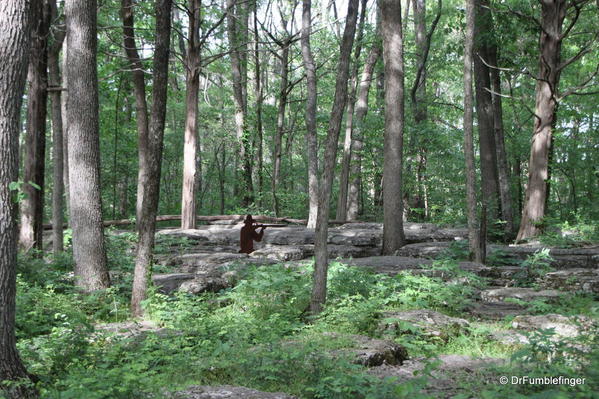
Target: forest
{"type": "Point", "coordinates": [319, 199]}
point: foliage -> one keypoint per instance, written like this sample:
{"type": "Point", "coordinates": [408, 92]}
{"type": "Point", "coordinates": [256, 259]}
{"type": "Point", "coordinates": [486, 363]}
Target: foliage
{"type": "Point", "coordinates": [535, 266]}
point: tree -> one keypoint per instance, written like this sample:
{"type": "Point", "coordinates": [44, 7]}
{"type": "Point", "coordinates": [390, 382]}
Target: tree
{"type": "Point", "coordinates": [237, 27]}
{"type": "Point", "coordinates": [547, 96]}
{"type": "Point", "coordinates": [84, 147]}
{"type": "Point", "coordinates": [310, 115]}
{"type": "Point", "coordinates": [473, 234]}
{"type": "Point", "coordinates": [57, 132]}
{"type": "Point", "coordinates": [192, 87]}
{"type": "Point", "coordinates": [393, 235]}
{"type": "Point", "coordinates": [14, 52]}
{"type": "Point", "coordinates": [149, 174]}
{"type": "Point", "coordinates": [319, 289]}
{"type": "Point", "coordinates": [32, 206]}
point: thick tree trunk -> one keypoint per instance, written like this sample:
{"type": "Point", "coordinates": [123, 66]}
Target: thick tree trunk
{"type": "Point", "coordinates": [484, 109]}
{"type": "Point", "coordinates": [57, 138]}
{"type": "Point", "coordinates": [393, 234]}
{"type": "Point", "coordinates": [236, 34]}
{"type": "Point", "coordinates": [319, 289]}
{"type": "Point", "coordinates": [91, 272]}
{"type": "Point", "coordinates": [282, 106]}
{"type": "Point", "coordinates": [150, 171]}
{"type": "Point", "coordinates": [473, 233]}
{"type": "Point", "coordinates": [190, 146]}
{"type": "Point", "coordinates": [552, 18]}
{"type": "Point", "coordinates": [14, 51]}
{"type": "Point", "coordinates": [32, 205]}
{"type": "Point", "coordinates": [349, 121]}
{"type": "Point", "coordinates": [310, 116]}
{"type": "Point", "coordinates": [505, 195]}
{"type": "Point", "coordinates": [358, 136]}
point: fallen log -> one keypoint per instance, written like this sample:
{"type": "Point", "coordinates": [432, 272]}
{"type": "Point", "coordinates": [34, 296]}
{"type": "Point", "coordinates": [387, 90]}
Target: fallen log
{"type": "Point", "coordinates": [211, 218]}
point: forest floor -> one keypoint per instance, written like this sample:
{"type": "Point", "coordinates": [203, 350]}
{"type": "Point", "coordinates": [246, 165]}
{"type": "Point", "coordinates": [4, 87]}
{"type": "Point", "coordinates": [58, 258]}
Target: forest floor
{"type": "Point", "coordinates": [422, 323]}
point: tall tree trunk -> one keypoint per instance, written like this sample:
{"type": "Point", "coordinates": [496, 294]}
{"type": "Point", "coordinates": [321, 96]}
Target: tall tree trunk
{"type": "Point", "coordinates": [139, 88]}
{"type": "Point", "coordinates": [57, 136]}
{"type": "Point", "coordinates": [237, 34]}
{"type": "Point", "coordinates": [310, 116]}
{"type": "Point", "coordinates": [358, 136]}
{"type": "Point", "coordinates": [190, 146]}
{"type": "Point", "coordinates": [550, 43]}
{"type": "Point", "coordinates": [91, 272]}
{"type": "Point", "coordinates": [319, 289]}
{"type": "Point", "coordinates": [32, 205]}
{"type": "Point", "coordinates": [14, 52]}
{"type": "Point", "coordinates": [473, 234]}
{"type": "Point", "coordinates": [259, 100]}
{"type": "Point", "coordinates": [282, 106]}
{"type": "Point", "coordinates": [483, 29]}
{"type": "Point", "coordinates": [393, 234]}
{"type": "Point", "coordinates": [505, 195]}
{"type": "Point", "coordinates": [150, 170]}
{"type": "Point", "coordinates": [65, 127]}
{"type": "Point", "coordinates": [349, 122]}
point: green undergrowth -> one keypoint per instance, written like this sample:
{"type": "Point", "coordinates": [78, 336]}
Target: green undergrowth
{"type": "Point", "coordinates": [258, 334]}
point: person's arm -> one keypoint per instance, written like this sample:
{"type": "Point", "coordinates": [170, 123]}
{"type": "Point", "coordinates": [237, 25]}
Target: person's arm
{"type": "Point", "coordinates": [258, 236]}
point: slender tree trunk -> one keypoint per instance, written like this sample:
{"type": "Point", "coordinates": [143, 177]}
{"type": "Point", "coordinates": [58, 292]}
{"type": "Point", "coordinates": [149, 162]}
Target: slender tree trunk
{"type": "Point", "coordinates": [190, 146]}
{"type": "Point", "coordinates": [57, 138]}
{"type": "Point", "coordinates": [14, 52]}
{"type": "Point", "coordinates": [393, 235]}
{"type": "Point", "coordinates": [259, 100]}
{"type": "Point", "coordinates": [319, 289]}
{"type": "Point", "coordinates": [310, 116]}
{"type": "Point", "coordinates": [552, 18]}
{"type": "Point", "coordinates": [150, 171]}
{"type": "Point", "coordinates": [91, 271]}
{"type": "Point", "coordinates": [32, 205]}
{"type": "Point", "coordinates": [65, 128]}
{"type": "Point", "coordinates": [378, 176]}
{"type": "Point", "coordinates": [484, 109]}
{"type": "Point", "coordinates": [358, 136]}
{"type": "Point", "coordinates": [473, 234]}
{"type": "Point", "coordinates": [505, 195]}
{"type": "Point", "coordinates": [236, 34]}
{"type": "Point", "coordinates": [349, 122]}
{"type": "Point", "coordinates": [278, 139]}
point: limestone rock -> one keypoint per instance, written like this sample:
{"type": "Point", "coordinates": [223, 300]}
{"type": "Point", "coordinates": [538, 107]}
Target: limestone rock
{"type": "Point", "coordinates": [563, 326]}
{"type": "Point", "coordinates": [496, 310]}
{"type": "Point", "coordinates": [168, 283]}
{"type": "Point", "coordinates": [523, 294]}
{"type": "Point", "coordinates": [579, 279]}
{"type": "Point", "coordinates": [227, 392]}
{"type": "Point", "coordinates": [432, 323]}
{"type": "Point", "coordinates": [372, 352]}
{"type": "Point", "coordinates": [393, 265]}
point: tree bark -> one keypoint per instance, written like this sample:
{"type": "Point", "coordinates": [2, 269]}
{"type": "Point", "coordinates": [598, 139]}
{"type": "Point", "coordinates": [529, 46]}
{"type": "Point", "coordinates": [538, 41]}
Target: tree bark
{"type": "Point", "coordinates": [393, 234]}
{"type": "Point", "coordinates": [190, 146]}
{"type": "Point", "coordinates": [550, 42]}
{"type": "Point", "coordinates": [310, 116]}
{"type": "Point", "coordinates": [349, 122]}
{"type": "Point", "coordinates": [282, 106]}
{"type": "Point", "coordinates": [505, 195]}
{"type": "Point", "coordinates": [319, 289]}
{"type": "Point", "coordinates": [14, 52]}
{"type": "Point", "coordinates": [236, 35]}
{"type": "Point", "coordinates": [259, 100]}
{"type": "Point", "coordinates": [473, 234]}
{"type": "Point", "coordinates": [57, 137]}
{"type": "Point", "coordinates": [89, 251]}
{"type": "Point", "coordinates": [484, 109]}
{"type": "Point", "coordinates": [65, 127]}
{"type": "Point", "coordinates": [358, 137]}
{"type": "Point", "coordinates": [32, 205]}
{"type": "Point", "coordinates": [150, 171]}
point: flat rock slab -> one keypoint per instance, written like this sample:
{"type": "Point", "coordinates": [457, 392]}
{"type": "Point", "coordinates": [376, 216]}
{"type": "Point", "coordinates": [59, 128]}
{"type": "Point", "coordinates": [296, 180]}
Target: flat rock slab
{"type": "Point", "coordinates": [580, 279]}
{"type": "Point", "coordinates": [227, 392]}
{"type": "Point", "coordinates": [372, 352]}
{"type": "Point", "coordinates": [523, 294]}
{"type": "Point", "coordinates": [564, 258]}
{"type": "Point", "coordinates": [564, 326]}
{"type": "Point", "coordinates": [170, 282]}
{"type": "Point", "coordinates": [133, 329]}
{"type": "Point", "coordinates": [496, 310]}
{"type": "Point", "coordinates": [432, 323]}
{"type": "Point", "coordinates": [393, 265]}
{"type": "Point", "coordinates": [451, 370]}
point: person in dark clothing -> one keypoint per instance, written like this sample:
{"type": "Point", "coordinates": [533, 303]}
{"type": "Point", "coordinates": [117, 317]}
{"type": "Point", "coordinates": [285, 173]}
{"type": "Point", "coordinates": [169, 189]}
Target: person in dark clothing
{"type": "Point", "coordinates": [248, 235]}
